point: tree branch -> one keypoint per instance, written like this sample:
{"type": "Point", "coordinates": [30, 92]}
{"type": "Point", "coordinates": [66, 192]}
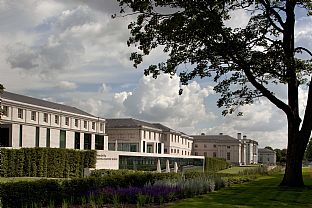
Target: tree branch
{"type": "Point", "coordinates": [300, 49]}
{"type": "Point", "coordinates": [270, 10]}
{"type": "Point", "coordinates": [280, 104]}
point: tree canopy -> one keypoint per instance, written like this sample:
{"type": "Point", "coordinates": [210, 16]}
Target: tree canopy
{"type": "Point", "coordinates": [244, 62]}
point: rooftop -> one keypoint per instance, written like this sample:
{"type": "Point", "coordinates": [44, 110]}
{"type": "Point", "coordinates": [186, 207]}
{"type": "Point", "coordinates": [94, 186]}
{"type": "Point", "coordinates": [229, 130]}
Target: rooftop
{"type": "Point", "coordinates": [214, 138]}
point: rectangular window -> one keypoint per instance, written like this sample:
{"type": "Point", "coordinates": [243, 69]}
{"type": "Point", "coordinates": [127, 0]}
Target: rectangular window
{"type": "Point", "coordinates": [21, 136]}
{"type": "Point", "coordinates": [93, 125]}
{"type": "Point", "coordinates": [45, 117]}
{"type": "Point", "coordinates": [87, 141]}
{"type": "Point", "coordinates": [56, 119]}
{"type": "Point", "coordinates": [33, 115]}
{"type": "Point", "coordinates": [228, 156]}
{"type": "Point", "coordinates": [85, 124]}
{"type": "Point", "coordinates": [76, 122]}
{"type": "Point", "coordinates": [67, 121]}
{"type": "Point", "coordinates": [159, 148]}
{"type": "Point", "coordinates": [111, 146]}
{"type": "Point", "coordinates": [205, 145]}
{"type": "Point", "coordinates": [214, 146]}
{"type": "Point", "coordinates": [5, 111]}
{"type": "Point", "coordinates": [171, 150]}
{"type": "Point", "coordinates": [133, 147]}
{"type": "Point", "coordinates": [99, 142]}
{"type": "Point", "coordinates": [196, 153]}
{"type": "Point", "coordinates": [165, 150]}
{"type": "Point", "coordinates": [196, 145]}
{"type": "Point", "coordinates": [188, 145]}
{"type": "Point", "coordinates": [77, 140]}
{"type": "Point", "coordinates": [37, 137]}
{"type": "Point", "coordinates": [149, 148]}
{"type": "Point", "coordinates": [101, 127]}
{"type": "Point", "coordinates": [62, 139]}
{"type": "Point", "coordinates": [228, 147]}
{"type": "Point", "coordinates": [143, 146]}
{"type": "Point", "coordinates": [48, 138]}
{"type": "Point", "coordinates": [214, 154]}
{"type": "Point", "coordinates": [20, 113]}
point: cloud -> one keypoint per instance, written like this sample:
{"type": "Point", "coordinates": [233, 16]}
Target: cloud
{"type": "Point", "coordinates": [66, 85]}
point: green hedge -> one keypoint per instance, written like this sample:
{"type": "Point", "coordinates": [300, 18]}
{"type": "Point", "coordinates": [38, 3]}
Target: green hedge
{"type": "Point", "coordinates": [44, 191]}
{"type": "Point", "coordinates": [45, 162]}
{"type": "Point", "coordinates": [215, 164]}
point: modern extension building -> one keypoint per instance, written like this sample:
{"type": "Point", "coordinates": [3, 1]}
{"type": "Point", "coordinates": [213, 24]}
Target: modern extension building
{"type": "Point", "coordinates": [31, 122]}
{"type": "Point", "coordinates": [234, 150]}
{"type": "Point", "coordinates": [267, 156]}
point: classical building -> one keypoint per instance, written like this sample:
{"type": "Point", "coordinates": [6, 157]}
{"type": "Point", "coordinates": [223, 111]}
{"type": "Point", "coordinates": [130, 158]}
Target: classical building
{"type": "Point", "coordinates": [234, 150]}
{"type": "Point", "coordinates": [31, 122]}
{"type": "Point", "coordinates": [267, 156]}
{"type": "Point", "coordinates": [132, 135]}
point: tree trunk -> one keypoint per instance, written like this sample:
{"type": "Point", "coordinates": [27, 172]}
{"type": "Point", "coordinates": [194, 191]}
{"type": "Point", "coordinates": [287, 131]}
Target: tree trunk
{"type": "Point", "coordinates": [295, 152]}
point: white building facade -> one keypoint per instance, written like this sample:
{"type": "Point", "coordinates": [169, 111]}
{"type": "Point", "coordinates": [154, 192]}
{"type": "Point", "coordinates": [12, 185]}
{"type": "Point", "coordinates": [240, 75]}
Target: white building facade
{"type": "Point", "coordinates": [31, 122]}
{"type": "Point", "coordinates": [267, 156]}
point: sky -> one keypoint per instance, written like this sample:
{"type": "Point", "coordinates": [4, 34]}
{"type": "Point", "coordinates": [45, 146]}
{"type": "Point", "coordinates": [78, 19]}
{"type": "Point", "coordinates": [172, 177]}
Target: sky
{"type": "Point", "coordinates": [72, 52]}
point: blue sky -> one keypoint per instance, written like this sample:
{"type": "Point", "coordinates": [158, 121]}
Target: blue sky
{"type": "Point", "coordinates": [72, 52]}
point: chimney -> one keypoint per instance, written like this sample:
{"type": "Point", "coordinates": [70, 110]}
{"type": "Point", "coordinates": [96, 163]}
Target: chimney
{"type": "Point", "coordinates": [239, 135]}
{"type": "Point", "coordinates": [244, 137]}
{"type": "Point", "coordinates": [220, 133]}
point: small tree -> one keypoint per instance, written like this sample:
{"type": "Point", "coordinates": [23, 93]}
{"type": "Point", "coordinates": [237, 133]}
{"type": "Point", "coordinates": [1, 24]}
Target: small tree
{"type": "Point", "coordinates": [244, 62]}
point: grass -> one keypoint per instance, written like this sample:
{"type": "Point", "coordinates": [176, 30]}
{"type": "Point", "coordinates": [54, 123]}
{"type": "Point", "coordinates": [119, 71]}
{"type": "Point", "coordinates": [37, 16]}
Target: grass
{"type": "Point", "coordinates": [264, 192]}
{"type": "Point", "coordinates": [18, 179]}
{"type": "Point", "coordinates": [237, 169]}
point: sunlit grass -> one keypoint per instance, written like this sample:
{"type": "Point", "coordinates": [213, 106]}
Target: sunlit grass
{"type": "Point", "coordinates": [264, 192]}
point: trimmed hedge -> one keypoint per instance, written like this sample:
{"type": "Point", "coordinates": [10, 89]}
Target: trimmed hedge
{"type": "Point", "coordinates": [43, 192]}
{"type": "Point", "coordinates": [45, 162]}
{"type": "Point", "coordinates": [213, 164]}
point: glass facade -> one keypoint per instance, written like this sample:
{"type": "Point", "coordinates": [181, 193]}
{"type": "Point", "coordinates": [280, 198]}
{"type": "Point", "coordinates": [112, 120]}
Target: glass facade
{"type": "Point", "coordinates": [87, 141]}
{"type": "Point", "coordinates": [150, 163]}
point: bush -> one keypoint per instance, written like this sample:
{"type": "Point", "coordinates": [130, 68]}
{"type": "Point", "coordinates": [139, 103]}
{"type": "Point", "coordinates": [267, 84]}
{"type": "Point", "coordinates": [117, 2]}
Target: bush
{"type": "Point", "coordinates": [45, 162]}
{"type": "Point", "coordinates": [215, 164]}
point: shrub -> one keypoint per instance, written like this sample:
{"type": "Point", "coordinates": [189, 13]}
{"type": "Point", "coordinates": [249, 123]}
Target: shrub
{"type": "Point", "coordinates": [45, 162]}
{"type": "Point", "coordinates": [215, 164]}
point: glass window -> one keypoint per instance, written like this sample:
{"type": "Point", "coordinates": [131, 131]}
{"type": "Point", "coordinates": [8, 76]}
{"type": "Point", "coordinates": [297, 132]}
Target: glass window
{"type": "Point", "coordinates": [159, 148]}
{"type": "Point", "coordinates": [99, 142]}
{"type": "Point", "coordinates": [228, 156]}
{"type": "Point", "coordinates": [21, 136]}
{"type": "Point", "coordinates": [33, 115]}
{"type": "Point", "coordinates": [133, 147]}
{"type": "Point", "coordinates": [76, 122]}
{"type": "Point", "coordinates": [20, 113]}
{"type": "Point", "coordinates": [228, 147]}
{"type": "Point", "coordinates": [214, 154]}
{"type": "Point", "coordinates": [85, 124]}
{"type": "Point", "coordinates": [205, 145]}
{"type": "Point", "coordinates": [214, 146]}
{"type": "Point", "coordinates": [165, 150]}
{"type": "Point", "coordinates": [45, 117]}
{"type": "Point", "coordinates": [56, 119]}
{"type": "Point", "coordinates": [149, 148]}
{"type": "Point", "coordinates": [37, 137]}
{"type": "Point", "coordinates": [196, 145]}
{"type": "Point", "coordinates": [93, 125]}
{"type": "Point", "coordinates": [77, 140]}
{"type": "Point", "coordinates": [5, 111]}
{"type": "Point", "coordinates": [143, 146]}
{"type": "Point", "coordinates": [101, 127]}
{"type": "Point", "coordinates": [67, 121]}
{"type": "Point", "coordinates": [196, 153]}
{"type": "Point", "coordinates": [62, 139]}
{"type": "Point", "coordinates": [87, 141]}
{"type": "Point", "coordinates": [48, 138]}
{"type": "Point", "coordinates": [111, 146]}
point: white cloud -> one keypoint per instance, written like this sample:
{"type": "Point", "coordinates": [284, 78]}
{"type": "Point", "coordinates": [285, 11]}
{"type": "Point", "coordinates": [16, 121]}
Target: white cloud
{"type": "Point", "coordinates": [66, 85]}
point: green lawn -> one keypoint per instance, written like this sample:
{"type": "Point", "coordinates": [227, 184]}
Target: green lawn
{"type": "Point", "coordinates": [17, 179]}
{"type": "Point", "coordinates": [264, 192]}
{"type": "Point", "coordinates": [236, 169]}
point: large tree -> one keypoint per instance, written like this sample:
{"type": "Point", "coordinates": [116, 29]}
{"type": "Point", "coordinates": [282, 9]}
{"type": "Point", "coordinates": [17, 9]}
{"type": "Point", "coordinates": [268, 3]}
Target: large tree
{"type": "Point", "coordinates": [244, 62]}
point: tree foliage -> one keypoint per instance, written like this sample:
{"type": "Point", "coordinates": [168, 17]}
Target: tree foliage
{"type": "Point", "coordinates": [244, 62]}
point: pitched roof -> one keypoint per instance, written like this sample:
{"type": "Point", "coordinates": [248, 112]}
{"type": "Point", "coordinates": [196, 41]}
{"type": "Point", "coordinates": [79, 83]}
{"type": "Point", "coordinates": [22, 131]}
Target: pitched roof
{"type": "Point", "coordinates": [128, 123]}
{"type": "Point", "coordinates": [215, 138]}
{"type": "Point", "coordinates": [42, 103]}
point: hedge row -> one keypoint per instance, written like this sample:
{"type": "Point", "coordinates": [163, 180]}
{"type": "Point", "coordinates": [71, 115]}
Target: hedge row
{"type": "Point", "coordinates": [45, 162]}
{"type": "Point", "coordinates": [215, 164]}
{"type": "Point", "coordinates": [43, 192]}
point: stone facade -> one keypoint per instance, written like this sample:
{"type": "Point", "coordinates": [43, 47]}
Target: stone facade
{"type": "Point", "coordinates": [267, 156]}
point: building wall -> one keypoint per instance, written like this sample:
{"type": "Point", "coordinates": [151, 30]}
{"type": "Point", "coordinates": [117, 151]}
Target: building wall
{"type": "Point", "coordinates": [267, 158]}
{"type": "Point", "coordinates": [178, 144]}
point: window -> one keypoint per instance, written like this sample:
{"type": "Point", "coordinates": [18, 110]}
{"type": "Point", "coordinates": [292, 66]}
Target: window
{"type": "Point", "coordinates": [87, 141]}
{"type": "Point", "coordinates": [171, 150]}
{"type": "Point", "coordinates": [149, 148]}
{"type": "Point", "coordinates": [111, 146]}
{"type": "Point", "coordinates": [45, 117]}
{"type": "Point", "coordinates": [33, 115]}
{"type": "Point", "coordinates": [196, 153]}
{"type": "Point", "coordinates": [196, 145]}
{"type": "Point", "coordinates": [20, 113]}
{"type": "Point", "coordinates": [101, 127]}
{"type": "Point", "coordinates": [56, 119]}
{"type": "Point", "coordinates": [228, 156]}
{"type": "Point", "coordinates": [21, 136]}
{"type": "Point", "coordinates": [37, 137]}
{"type": "Point", "coordinates": [48, 138]}
{"type": "Point", "coordinates": [5, 111]}
{"type": "Point", "coordinates": [165, 150]}
{"type": "Point", "coordinates": [177, 151]}
{"type": "Point", "coordinates": [143, 146]}
{"type": "Point", "coordinates": [62, 139]}
{"type": "Point", "coordinates": [188, 145]}
{"type": "Point", "coordinates": [133, 147]}
{"type": "Point", "coordinates": [214, 154]}
{"type": "Point", "coordinates": [159, 148]}
{"type": "Point", "coordinates": [214, 146]}
{"type": "Point", "coordinates": [99, 142]}
{"type": "Point", "coordinates": [67, 121]}
{"type": "Point", "coordinates": [77, 140]}
{"type": "Point", "coordinates": [93, 125]}
{"type": "Point", "coordinates": [205, 154]}
{"type": "Point", "coordinates": [76, 122]}
{"type": "Point", "coordinates": [205, 145]}
{"type": "Point", "coordinates": [85, 124]}
{"type": "Point", "coordinates": [228, 147]}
